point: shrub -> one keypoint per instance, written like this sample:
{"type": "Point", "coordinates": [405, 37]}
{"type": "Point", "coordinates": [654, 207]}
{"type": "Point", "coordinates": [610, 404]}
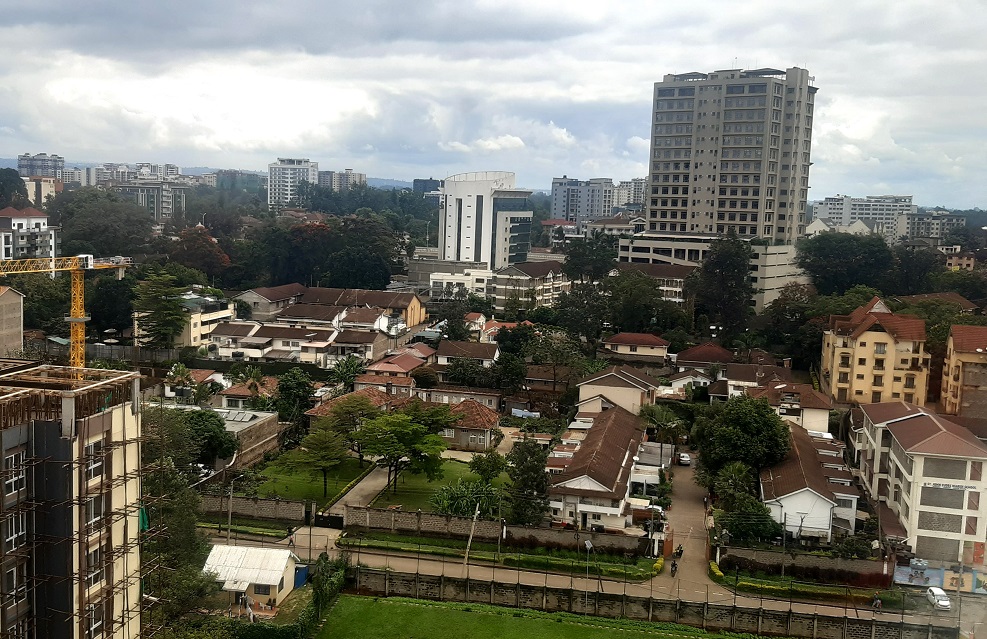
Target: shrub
{"type": "Point", "coordinates": [659, 565]}
{"type": "Point", "coordinates": [714, 572]}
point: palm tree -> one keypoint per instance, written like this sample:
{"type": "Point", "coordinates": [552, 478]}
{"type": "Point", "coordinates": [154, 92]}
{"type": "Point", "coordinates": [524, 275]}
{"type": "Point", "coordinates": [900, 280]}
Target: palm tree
{"type": "Point", "coordinates": [345, 371]}
{"type": "Point", "coordinates": [667, 425]}
{"type": "Point", "coordinates": [732, 482]}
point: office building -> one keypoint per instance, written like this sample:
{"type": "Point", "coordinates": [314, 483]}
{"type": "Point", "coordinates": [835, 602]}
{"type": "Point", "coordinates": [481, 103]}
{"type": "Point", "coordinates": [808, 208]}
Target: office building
{"type": "Point", "coordinates": [731, 152]}
{"type": "Point", "coordinates": [582, 201]}
{"type": "Point", "coordinates": [484, 218]}
{"type": "Point", "coordinates": [421, 186]}
{"type": "Point", "coordinates": [882, 211]}
{"type": "Point", "coordinates": [40, 164]}
{"type": "Point", "coordinates": [162, 199]}
{"type": "Point", "coordinates": [931, 225]}
{"type": "Point", "coordinates": [283, 178]}
{"type": "Point", "coordinates": [630, 192]}
{"type": "Point", "coordinates": [71, 513]}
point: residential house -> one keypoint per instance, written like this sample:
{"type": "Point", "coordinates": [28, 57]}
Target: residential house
{"type": "Point", "coordinates": [395, 365]}
{"type": "Point", "coordinates": [928, 475]}
{"type": "Point", "coordinates": [314, 315]}
{"type": "Point", "coordinates": [443, 394]}
{"type": "Point", "coordinates": [669, 277]}
{"type": "Point", "coordinates": [474, 430]}
{"type": "Point", "coordinates": [703, 358]}
{"type": "Point", "coordinates": [474, 322]}
{"type": "Point", "coordinates": [810, 492]}
{"type": "Point", "coordinates": [799, 404]}
{"type": "Point", "coordinates": [276, 343]}
{"type": "Point", "coordinates": [592, 491]}
{"type": "Point", "coordinates": [366, 345]}
{"type": "Point", "coordinates": [260, 576]}
{"type": "Point", "coordinates": [741, 377]}
{"type": "Point", "coordinates": [951, 297]}
{"type": "Point", "coordinates": [527, 285]}
{"type": "Point", "coordinates": [407, 306]}
{"type": "Point", "coordinates": [964, 372]}
{"type": "Point", "coordinates": [691, 378]}
{"type": "Point", "coordinates": [396, 386]}
{"type": "Point", "coordinates": [643, 346]}
{"type": "Point", "coordinates": [202, 315]}
{"type": "Point", "coordinates": [11, 321]}
{"type": "Point", "coordinates": [488, 335]}
{"type": "Point", "coordinates": [626, 387]}
{"type": "Point", "coordinates": [266, 302]}
{"type": "Point", "coordinates": [376, 397]}
{"type": "Point", "coordinates": [965, 261]}
{"type": "Point", "coordinates": [371, 318]}
{"type": "Point", "coordinates": [197, 376]}
{"type": "Point", "coordinates": [239, 395]}
{"type": "Point", "coordinates": [874, 355]}
{"type": "Point", "coordinates": [449, 350]}
{"type": "Point", "coordinates": [549, 378]}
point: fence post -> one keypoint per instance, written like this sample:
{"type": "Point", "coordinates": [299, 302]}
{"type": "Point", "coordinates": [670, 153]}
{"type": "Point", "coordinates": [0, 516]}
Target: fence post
{"type": "Point", "coordinates": [760, 613]}
{"type": "Point", "coordinates": [651, 608]}
{"type": "Point", "coordinates": [387, 583]}
{"type": "Point", "coordinates": [815, 623]}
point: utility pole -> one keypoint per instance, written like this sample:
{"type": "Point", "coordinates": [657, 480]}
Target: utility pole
{"type": "Point", "coordinates": [469, 543]}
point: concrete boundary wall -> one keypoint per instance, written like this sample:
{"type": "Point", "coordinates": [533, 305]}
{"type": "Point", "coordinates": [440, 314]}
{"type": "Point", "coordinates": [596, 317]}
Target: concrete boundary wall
{"type": "Point", "coordinates": [255, 507]}
{"type": "Point", "coordinates": [714, 617]}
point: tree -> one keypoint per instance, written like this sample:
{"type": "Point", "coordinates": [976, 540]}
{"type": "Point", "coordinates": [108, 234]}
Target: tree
{"type": "Point", "coordinates": [559, 353]}
{"type": "Point", "coordinates": [13, 190]}
{"type": "Point", "coordinates": [401, 444]}
{"type": "Point", "coordinates": [197, 249]}
{"type": "Point", "coordinates": [359, 268]}
{"type": "Point", "coordinates": [508, 373]}
{"type": "Point", "coordinates": [745, 429]}
{"type": "Point", "coordinates": [722, 286]}
{"type": "Point", "coordinates": [100, 222]}
{"type": "Point", "coordinates": [837, 262]}
{"type": "Point", "coordinates": [320, 452]}
{"type": "Point", "coordinates": [208, 430]}
{"type": "Point", "coordinates": [665, 423]}
{"type": "Point", "coordinates": [528, 492]}
{"type": "Point", "coordinates": [46, 301]}
{"type": "Point", "coordinates": [110, 303]}
{"type": "Point", "coordinates": [425, 377]}
{"type": "Point", "coordinates": [583, 311]}
{"type": "Point", "coordinates": [467, 372]}
{"type": "Point", "coordinates": [462, 499]}
{"type": "Point", "coordinates": [346, 370]}
{"type": "Point", "coordinates": [750, 519]}
{"type": "Point", "coordinates": [913, 270]}
{"type": "Point", "coordinates": [488, 465]}
{"type": "Point", "coordinates": [637, 304]}
{"type": "Point", "coordinates": [515, 341]}
{"type": "Point", "coordinates": [590, 259]}
{"type": "Point", "coordinates": [346, 416]}
{"type": "Point", "coordinates": [294, 395]}
{"type": "Point", "coordinates": [733, 482]}
{"type": "Point", "coordinates": [160, 315]}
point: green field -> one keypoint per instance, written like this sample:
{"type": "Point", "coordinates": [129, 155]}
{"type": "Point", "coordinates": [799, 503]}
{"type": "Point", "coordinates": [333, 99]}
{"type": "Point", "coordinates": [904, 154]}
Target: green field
{"type": "Point", "coordinates": [302, 486]}
{"type": "Point", "coordinates": [414, 491]}
{"type": "Point", "coordinates": [359, 617]}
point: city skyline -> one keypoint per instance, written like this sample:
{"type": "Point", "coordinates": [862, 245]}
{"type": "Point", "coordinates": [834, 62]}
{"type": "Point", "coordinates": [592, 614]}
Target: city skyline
{"type": "Point", "coordinates": [403, 91]}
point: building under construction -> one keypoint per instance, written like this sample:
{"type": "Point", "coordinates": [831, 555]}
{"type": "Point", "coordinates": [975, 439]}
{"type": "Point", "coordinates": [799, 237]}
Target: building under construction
{"type": "Point", "coordinates": [71, 511]}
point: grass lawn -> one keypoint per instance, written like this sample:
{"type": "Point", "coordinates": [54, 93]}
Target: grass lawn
{"type": "Point", "coordinates": [307, 486]}
{"type": "Point", "coordinates": [359, 617]}
{"type": "Point", "coordinates": [293, 605]}
{"type": "Point", "coordinates": [414, 491]}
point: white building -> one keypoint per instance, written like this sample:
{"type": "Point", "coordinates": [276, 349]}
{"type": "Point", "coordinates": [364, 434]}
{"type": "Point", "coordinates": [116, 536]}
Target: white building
{"type": "Point", "coordinates": [630, 192]}
{"type": "Point", "coordinates": [283, 179]}
{"type": "Point", "coordinates": [582, 201]}
{"type": "Point", "coordinates": [26, 234]}
{"type": "Point", "coordinates": [857, 227]}
{"type": "Point", "coordinates": [884, 210]}
{"type": "Point", "coordinates": [341, 180]}
{"type": "Point", "coordinates": [484, 218]}
{"type": "Point", "coordinates": [934, 224]}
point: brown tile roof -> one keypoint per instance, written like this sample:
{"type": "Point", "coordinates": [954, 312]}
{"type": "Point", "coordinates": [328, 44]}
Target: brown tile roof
{"type": "Point", "coordinates": [357, 297]}
{"type": "Point", "coordinates": [719, 388]}
{"type": "Point", "coordinates": [27, 212]}
{"type": "Point", "coordinates": [364, 315]}
{"type": "Point", "coordinates": [799, 470]}
{"type": "Point", "coordinates": [425, 350]}
{"type": "Point", "coordinates": [475, 415]}
{"type": "Point", "coordinates": [887, 411]}
{"type": "Point", "coordinates": [403, 402]}
{"type": "Point", "coordinates": [929, 434]}
{"type": "Point", "coordinates": [356, 337]}
{"type": "Point", "coordinates": [659, 271]}
{"type": "Point", "coordinates": [384, 380]}
{"type": "Point", "coordinates": [279, 293]}
{"type": "Point", "coordinates": [803, 394]}
{"type": "Point", "coordinates": [621, 376]}
{"type": "Point", "coordinates": [378, 398]}
{"type": "Point", "coordinates": [691, 372]}
{"type": "Point", "coordinates": [311, 312]}
{"type": "Point", "coordinates": [231, 329]}
{"type": "Point", "coordinates": [397, 364]}
{"type": "Point", "coordinates": [967, 339]}
{"type": "Point", "coordinates": [200, 375]}
{"type": "Point", "coordinates": [463, 390]}
{"type": "Point", "coordinates": [537, 269]}
{"type": "Point", "coordinates": [876, 313]}
{"type": "Point", "coordinates": [472, 317]}
{"type": "Point", "coordinates": [471, 350]}
{"type": "Point", "coordinates": [948, 296]}
{"type": "Point", "coordinates": [757, 373]}
{"type": "Point", "coordinates": [636, 339]}
{"type": "Point", "coordinates": [547, 372]}
{"type": "Point", "coordinates": [606, 454]}
{"type": "Point", "coordinates": [708, 353]}
{"type": "Point", "coordinates": [495, 326]}
{"type": "Point", "coordinates": [268, 386]}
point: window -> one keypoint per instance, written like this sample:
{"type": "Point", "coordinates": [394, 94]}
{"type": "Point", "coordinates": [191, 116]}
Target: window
{"type": "Point", "coordinates": [844, 503]}
{"type": "Point", "coordinates": [94, 460]}
{"type": "Point", "coordinates": [15, 584]}
{"type": "Point", "coordinates": [447, 432]}
{"type": "Point", "coordinates": [94, 620]}
{"type": "Point", "coordinates": [13, 467]}
{"type": "Point", "coordinates": [262, 589]}
{"type": "Point", "coordinates": [94, 567]}
{"type": "Point", "coordinates": [862, 361]}
{"type": "Point", "coordinates": [875, 397]}
{"type": "Point", "coordinates": [15, 531]}
{"type": "Point", "coordinates": [633, 349]}
{"type": "Point", "coordinates": [976, 470]}
{"type": "Point", "coordinates": [879, 380]}
{"type": "Point", "coordinates": [94, 510]}
{"type": "Point", "coordinates": [879, 364]}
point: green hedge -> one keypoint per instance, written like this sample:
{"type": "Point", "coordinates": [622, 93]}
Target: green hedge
{"type": "Point", "coordinates": [348, 487]}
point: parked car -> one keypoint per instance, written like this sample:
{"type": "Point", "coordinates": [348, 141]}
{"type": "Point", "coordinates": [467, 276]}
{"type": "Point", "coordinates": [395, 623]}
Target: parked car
{"type": "Point", "coordinates": [938, 598]}
{"type": "Point", "coordinates": [685, 459]}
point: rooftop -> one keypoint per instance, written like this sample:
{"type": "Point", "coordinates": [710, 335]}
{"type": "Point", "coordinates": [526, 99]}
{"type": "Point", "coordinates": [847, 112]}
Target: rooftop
{"type": "Point", "coordinates": [799, 470]}
{"type": "Point", "coordinates": [636, 339]}
{"type": "Point", "coordinates": [708, 353]}
{"type": "Point", "coordinates": [240, 566]}
{"type": "Point", "coordinates": [604, 456]}
{"type": "Point", "coordinates": [470, 350]}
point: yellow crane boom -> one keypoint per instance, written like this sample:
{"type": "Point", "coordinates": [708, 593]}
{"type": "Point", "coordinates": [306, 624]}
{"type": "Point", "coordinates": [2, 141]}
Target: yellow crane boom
{"type": "Point", "coordinates": [77, 266]}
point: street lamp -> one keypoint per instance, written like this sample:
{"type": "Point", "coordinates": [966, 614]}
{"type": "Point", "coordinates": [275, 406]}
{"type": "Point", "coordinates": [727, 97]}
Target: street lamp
{"type": "Point", "coordinates": [229, 516]}
{"type": "Point", "coordinates": [589, 547]}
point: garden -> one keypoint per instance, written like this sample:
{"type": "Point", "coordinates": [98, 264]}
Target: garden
{"type": "Point", "coordinates": [415, 492]}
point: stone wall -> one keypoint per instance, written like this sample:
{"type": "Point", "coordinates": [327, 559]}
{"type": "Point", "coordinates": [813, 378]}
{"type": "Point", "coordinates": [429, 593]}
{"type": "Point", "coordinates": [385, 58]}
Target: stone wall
{"type": "Point", "coordinates": [257, 440]}
{"type": "Point", "coordinates": [431, 524]}
{"type": "Point", "coordinates": [777, 557]}
{"type": "Point", "coordinates": [714, 617]}
{"type": "Point", "coordinates": [255, 507]}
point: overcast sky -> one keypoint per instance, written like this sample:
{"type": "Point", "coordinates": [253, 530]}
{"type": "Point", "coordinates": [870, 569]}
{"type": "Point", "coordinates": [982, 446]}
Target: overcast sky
{"type": "Point", "coordinates": [411, 88]}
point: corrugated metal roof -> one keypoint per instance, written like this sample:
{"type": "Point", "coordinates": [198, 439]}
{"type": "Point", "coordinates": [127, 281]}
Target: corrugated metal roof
{"type": "Point", "coordinates": [239, 566]}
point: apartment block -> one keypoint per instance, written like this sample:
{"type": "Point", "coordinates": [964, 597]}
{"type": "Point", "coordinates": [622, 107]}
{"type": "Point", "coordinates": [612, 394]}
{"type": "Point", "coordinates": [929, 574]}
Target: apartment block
{"type": "Point", "coordinates": [582, 201]}
{"type": "Point", "coordinates": [527, 285]}
{"type": "Point", "coordinates": [26, 234]}
{"type": "Point", "coordinates": [70, 513]}
{"type": "Point", "coordinates": [935, 225]}
{"type": "Point", "coordinates": [283, 178]}
{"type": "Point", "coordinates": [39, 189]}
{"type": "Point", "coordinates": [341, 180]}
{"type": "Point", "coordinates": [630, 191]}
{"type": "Point", "coordinates": [484, 218]}
{"type": "Point", "coordinates": [881, 211]}
{"type": "Point", "coordinates": [153, 171]}
{"type": "Point", "coordinates": [162, 199]}
{"type": "Point", "coordinates": [964, 372]}
{"type": "Point", "coordinates": [40, 164]}
{"type": "Point", "coordinates": [873, 356]}
{"type": "Point", "coordinates": [731, 151]}
{"type": "Point", "coordinates": [927, 475]}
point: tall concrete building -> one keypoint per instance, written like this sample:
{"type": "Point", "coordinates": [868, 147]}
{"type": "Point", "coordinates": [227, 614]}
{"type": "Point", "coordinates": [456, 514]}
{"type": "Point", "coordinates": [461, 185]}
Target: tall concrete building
{"type": "Point", "coordinates": [71, 512]}
{"type": "Point", "coordinates": [341, 180]}
{"type": "Point", "coordinates": [421, 186]}
{"type": "Point", "coordinates": [40, 164]}
{"type": "Point", "coordinates": [484, 218]}
{"type": "Point", "coordinates": [284, 176]}
{"type": "Point", "coordinates": [582, 201]}
{"type": "Point", "coordinates": [845, 209]}
{"type": "Point", "coordinates": [630, 192]}
{"type": "Point", "coordinates": [731, 152]}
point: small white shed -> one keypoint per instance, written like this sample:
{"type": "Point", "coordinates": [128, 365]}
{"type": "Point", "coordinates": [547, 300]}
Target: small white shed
{"type": "Point", "coordinates": [266, 575]}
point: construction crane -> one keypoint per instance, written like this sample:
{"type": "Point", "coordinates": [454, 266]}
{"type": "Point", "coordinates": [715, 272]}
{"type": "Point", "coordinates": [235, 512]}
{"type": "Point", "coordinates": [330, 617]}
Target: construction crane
{"type": "Point", "coordinates": [77, 267]}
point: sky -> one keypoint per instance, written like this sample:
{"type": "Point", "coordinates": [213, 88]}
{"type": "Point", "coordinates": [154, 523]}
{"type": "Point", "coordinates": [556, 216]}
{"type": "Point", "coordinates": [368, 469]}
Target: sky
{"type": "Point", "coordinates": [403, 89]}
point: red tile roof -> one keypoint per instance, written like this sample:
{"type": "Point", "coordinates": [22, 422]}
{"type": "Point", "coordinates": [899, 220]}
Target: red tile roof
{"type": "Point", "coordinates": [708, 353]}
{"type": "Point", "coordinates": [397, 364]}
{"type": "Point", "coordinates": [948, 296]}
{"type": "Point", "coordinates": [384, 380]}
{"type": "Point", "coordinates": [802, 394]}
{"type": "Point", "coordinates": [357, 297]}
{"type": "Point", "coordinates": [757, 373]}
{"type": "Point", "coordinates": [636, 339]}
{"type": "Point", "coordinates": [472, 317]}
{"type": "Point", "coordinates": [929, 434]}
{"type": "Point", "coordinates": [363, 314]}
{"type": "Point", "coordinates": [967, 339]}
{"type": "Point", "coordinates": [471, 350]}
{"type": "Point", "coordinates": [887, 411]}
{"type": "Point", "coordinates": [268, 386]}
{"type": "Point", "coordinates": [536, 269]}
{"type": "Point", "coordinates": [799, 470]}
{"type": "Point", "coordinates": [876, 313]}
{"type": "Point", "coordinates": [27, 212]}
{"type": "Point", "coordinates": [356, 337]}
{"type": "Point", "coordinates": [378, 398]}
{"type": "Point", "coordinates": [474, 415]}
{"type": "Point", "coordinates": [200, 375]}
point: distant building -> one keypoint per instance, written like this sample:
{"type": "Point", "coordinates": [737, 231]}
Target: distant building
{"type": "Point", "coordinates": [40, 164]}
{"type": "Point", "coordinates": [485, 218]}
{"type": "Point", "coordinates": [630, 192]}
{"type": "Point", "coordinates": [162, 199]}
{"type": "Point", "coordinates": [284, 176]}
{"type": "Point", "coordinates": [857, 227]}
{"type": "Point", "coordinates": [233, 180]}
{"type": "Point", "coordinates": [964, 373]}
{"type": "Point", "coordinates": [11, 321]}
{"type": "Point", "coordinates": [26, 234]}
{"type": "Point", "coordinates": [528, 285]}
{"type": "Point", "coordinates": [582, 201]}
{"type": "Point", "coordinates": [935, 224]}
{"type": "Point", "coordinates": [616, 225]}
{"type": "Point", "coordinates": [341, 180]}
{"type": "Point", "coordinates": [152, 171]}
{"type": "Point", "coordinates": [39, 189]}
{"type": "Point", "coordinates": [421, 186]}
{"type": "Point", "coordinates": [670, 278]}
{"type": "Point", "coordinates": [881, 211]}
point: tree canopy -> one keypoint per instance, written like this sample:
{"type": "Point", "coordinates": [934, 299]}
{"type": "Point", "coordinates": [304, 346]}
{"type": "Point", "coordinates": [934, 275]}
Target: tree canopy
{"type": "Point", "coordinates": [722, 285]}
{"type": "Point", "coordinates": [528, 492]}
{"type": "Point", "coordinates": [836, 262]}
{"type": "Point", "coordinates": [744, 429]}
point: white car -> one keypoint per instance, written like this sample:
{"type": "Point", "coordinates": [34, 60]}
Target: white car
{"type": "Point", "coordinates": [685, 459]}
{"type": "Point", "coordinates": [938, 598]}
